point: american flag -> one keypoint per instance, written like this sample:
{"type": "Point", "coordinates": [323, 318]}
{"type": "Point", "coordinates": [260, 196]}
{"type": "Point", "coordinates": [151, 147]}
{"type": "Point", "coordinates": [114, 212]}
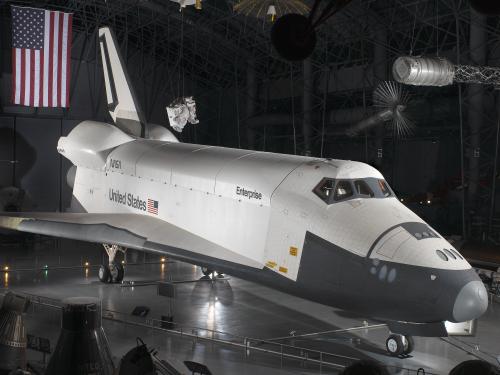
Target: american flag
{"type": "Point", "coordinates": [41, 57]}
{"type": "Point", "coordinates": [152, 206]}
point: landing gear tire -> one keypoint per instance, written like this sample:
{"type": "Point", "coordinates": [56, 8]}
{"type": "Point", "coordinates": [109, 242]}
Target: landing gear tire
{"type": "Point", "coordinates": [117, 272]}
{"type": "Point", "coordinates": [398, 345]}
{"type": "Point", "coordinates": [206, 271]}
{"type": "Point", "coordinates": [410, 345]}
{"type": "Point", "coordinates": [113, 272]}
{"type": "Point", "coordinates": [104, 274]}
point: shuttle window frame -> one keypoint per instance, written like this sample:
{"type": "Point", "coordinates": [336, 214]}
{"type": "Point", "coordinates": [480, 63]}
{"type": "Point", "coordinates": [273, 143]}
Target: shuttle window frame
{"type": "Point", "coordinates": [364, 188]}
{"type": "Point", "coordinates": [442, 255]}
{"type": "Point", "coordinates": [323, 192]}
{"type": "Point", "coordinates": [384, 188]}
{"type": "Point", "coordinates": [450, 254]}
{"type": "Point", "coordinates": [457, 254]}
{"type": "Point", "coordinates": [361, 184]}
{"type": "Point", "coordinates": [348, 189]}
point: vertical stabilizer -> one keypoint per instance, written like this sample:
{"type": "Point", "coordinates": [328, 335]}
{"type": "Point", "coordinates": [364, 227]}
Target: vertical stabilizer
{"type": "Point", "coordinates": [122, 101]}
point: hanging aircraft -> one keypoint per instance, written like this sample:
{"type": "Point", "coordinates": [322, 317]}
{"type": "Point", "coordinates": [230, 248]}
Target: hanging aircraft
{"type": "Point", "coordinates": [330, 231]}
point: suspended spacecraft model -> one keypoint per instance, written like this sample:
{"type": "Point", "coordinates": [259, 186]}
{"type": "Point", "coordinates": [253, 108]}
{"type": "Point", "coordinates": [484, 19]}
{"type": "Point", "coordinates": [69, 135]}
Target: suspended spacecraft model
{"type": "Point", "coordinates": [180, 112]}
{"type": "Point", "coordinates": [438, 71]}
{"type": "Point", "coordinates": [390, 102]}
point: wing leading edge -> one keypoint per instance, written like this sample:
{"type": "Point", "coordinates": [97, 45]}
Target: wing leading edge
{"type": "Point", "coordinates": [129, 230]}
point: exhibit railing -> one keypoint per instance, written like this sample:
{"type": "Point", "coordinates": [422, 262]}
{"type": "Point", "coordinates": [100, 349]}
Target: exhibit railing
{"type": "Point", "coordinates": [252, 348]}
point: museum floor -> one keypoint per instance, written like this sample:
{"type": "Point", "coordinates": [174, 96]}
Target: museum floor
{"type": "Point", "coordinates": [219, 323]}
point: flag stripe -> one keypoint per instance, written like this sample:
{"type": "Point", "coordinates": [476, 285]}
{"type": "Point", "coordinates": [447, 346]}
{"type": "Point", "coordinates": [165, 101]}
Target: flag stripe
{"type": "Point", "coordinates": [13, 81]}
{"type": "Point", "coordinates": [64, 48]}
{"type": "Point", "coordinates": [68, 57]}
{"type": "Point", "coordinates": [18, 76]}
{"type": "Point", "coordinates": [27, 72]}
{"type": "Point", "coordinates": [46, 60]}
{"type": "Point", "coordinates": [32, 77]}
{"type": "Point", "coordinates": [40, 99]}
{"type": "Point", "coordinates": [51, 58]}
{"type": "Point", "coordinates": [22, 75]}
{"type": "Point", "coordinates": [59, 58]}
{"type": "Point", "coordinates": [55, 62]}
{"type": "Point", "coordinates": [36, 94]}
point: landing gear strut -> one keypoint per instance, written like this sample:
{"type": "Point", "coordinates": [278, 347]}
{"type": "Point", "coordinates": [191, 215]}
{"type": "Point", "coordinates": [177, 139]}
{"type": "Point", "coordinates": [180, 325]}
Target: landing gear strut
{"type": "Point", "coordinates": [112, 272]}
{"type": "Point", "coordinates": [399, 345]}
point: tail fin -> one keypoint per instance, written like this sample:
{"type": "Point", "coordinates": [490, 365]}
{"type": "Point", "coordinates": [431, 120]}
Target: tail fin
{"type": "Point", "coordinates": [122, 101]}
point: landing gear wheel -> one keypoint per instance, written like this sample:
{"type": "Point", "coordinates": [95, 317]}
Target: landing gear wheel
{"type": "Point", "coordinates": [409, 345]}
{"type": "Point", "coordinates": [395, 345]}
{"type": "Point", "coordinates": [104, 274]}
{"type": "Point", "coordinates": [117, 272]}
{"type": "Point", "coordinates": [206, 271]}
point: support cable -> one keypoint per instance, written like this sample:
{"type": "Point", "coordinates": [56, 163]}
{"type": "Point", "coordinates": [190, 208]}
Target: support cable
{"type": "Point", "coordinates": [293, 111]}
{"type": "Point", "coordinates": [325, 97]}
{"type": "Point", "coordinates": [462, 177]}
{"type": "Point", "coordinates": [494, 178]}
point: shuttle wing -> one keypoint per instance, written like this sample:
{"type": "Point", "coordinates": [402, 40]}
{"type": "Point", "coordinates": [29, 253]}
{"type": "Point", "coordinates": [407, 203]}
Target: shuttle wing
{"type": "Point", "coordinates": [129, 230]}
{"type": "Point", "coordinates": [123, 105]}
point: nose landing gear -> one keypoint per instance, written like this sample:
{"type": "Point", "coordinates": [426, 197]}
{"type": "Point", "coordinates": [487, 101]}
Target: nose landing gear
{"type": "Point", "coordinates": [399, 345]}
{"type": "Point", "coordinates": [113, 272]}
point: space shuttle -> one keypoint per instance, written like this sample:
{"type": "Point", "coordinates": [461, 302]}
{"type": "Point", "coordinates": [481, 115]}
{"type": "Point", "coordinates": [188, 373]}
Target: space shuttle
{"type": "Point", "coordinates": [330, 231]}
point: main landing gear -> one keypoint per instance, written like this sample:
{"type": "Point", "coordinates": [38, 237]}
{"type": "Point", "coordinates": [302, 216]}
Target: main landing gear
{"type": "Point", "coordinates": [113, 272]}
{"type": "Point", "coordinates": [399, 345]}
{"type": "Point", "coordinates": [208, 272]}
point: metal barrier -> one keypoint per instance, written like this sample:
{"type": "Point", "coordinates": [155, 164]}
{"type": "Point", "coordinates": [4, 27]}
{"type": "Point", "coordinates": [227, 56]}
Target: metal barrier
{"type": "Point", "coordinates": [324, 360]}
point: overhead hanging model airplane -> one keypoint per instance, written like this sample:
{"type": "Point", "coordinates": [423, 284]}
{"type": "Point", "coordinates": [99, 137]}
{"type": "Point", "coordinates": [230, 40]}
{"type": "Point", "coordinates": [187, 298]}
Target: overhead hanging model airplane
{"type": "Point", "coordinates": [330, 231]}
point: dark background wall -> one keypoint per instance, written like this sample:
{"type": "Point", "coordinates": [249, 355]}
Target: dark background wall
{"type": "Point", "coordinates": [423, 167]}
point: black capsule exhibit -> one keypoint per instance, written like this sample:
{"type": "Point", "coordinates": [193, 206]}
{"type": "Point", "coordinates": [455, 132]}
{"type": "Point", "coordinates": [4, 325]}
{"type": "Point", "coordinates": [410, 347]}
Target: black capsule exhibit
{"type": "Point", "coordinates": [12, 333]}
{"type": "Point", "coordinates": [82, 347]}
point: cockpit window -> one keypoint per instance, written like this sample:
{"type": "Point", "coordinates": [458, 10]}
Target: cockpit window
{"type": "Point", "coordinates": [324, 190]}
{"type": "Point", "coordinates": [330, 190]}
{"type": "Point", "coordinates": [343, 190]}
{"type": "Point", "coordinates": [384, 188]}
{"type": "Point", "coordinates": [362, 188]}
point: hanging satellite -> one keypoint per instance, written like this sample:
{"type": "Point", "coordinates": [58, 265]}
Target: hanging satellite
{"type": "Point", "coordinates": [180, 112]}
{"type": "Point", "coordinates": [269, 10]}
{"type": "Point", "coordinates": [185, 3]}
{"type": "Point", "coordinates": [390, 102]}
{"type": "Point", "coordinates": [293, 35]}
{"type": "Point", "coordinates": [437, 71]}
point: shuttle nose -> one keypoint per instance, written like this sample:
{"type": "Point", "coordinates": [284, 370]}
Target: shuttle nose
{"type": "Point", "coordinates": [471, 302]}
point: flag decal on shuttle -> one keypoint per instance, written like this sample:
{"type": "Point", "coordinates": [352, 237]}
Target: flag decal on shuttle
{"type": "Point", "coordinates": [152, 206]}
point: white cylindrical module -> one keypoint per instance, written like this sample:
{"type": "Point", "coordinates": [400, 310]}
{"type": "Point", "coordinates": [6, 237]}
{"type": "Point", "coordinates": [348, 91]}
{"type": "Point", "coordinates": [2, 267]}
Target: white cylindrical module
{"type": "Point", "coordinates": [423, 71]}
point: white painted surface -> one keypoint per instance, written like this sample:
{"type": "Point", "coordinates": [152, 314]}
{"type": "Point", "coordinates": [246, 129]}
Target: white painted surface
{"type": "Point", "coordinates": [198, 189]}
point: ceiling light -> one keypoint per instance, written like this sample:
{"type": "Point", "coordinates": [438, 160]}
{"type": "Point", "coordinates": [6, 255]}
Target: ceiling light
{"type": "Point", "coordinates": [270, 9]}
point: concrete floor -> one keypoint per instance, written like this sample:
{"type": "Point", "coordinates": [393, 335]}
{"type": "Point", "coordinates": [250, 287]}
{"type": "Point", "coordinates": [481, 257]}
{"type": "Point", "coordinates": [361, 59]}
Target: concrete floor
{"type": "Point", "coordinates": [235, 307]}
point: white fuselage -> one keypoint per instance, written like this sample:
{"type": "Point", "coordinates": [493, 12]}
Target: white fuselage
{"type": "Point", "coordinates": [256, 207]}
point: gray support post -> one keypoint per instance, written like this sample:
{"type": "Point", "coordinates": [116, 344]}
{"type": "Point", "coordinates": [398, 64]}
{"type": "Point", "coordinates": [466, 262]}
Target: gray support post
{"type": "Point", "coordinates": [478, 49]}
{"type": "Point", "coordinates": [250, 101]}
{"type": "Point", "coordinates": [307, 103]}
{"type": "Point", "coordinates": [379, 75]}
